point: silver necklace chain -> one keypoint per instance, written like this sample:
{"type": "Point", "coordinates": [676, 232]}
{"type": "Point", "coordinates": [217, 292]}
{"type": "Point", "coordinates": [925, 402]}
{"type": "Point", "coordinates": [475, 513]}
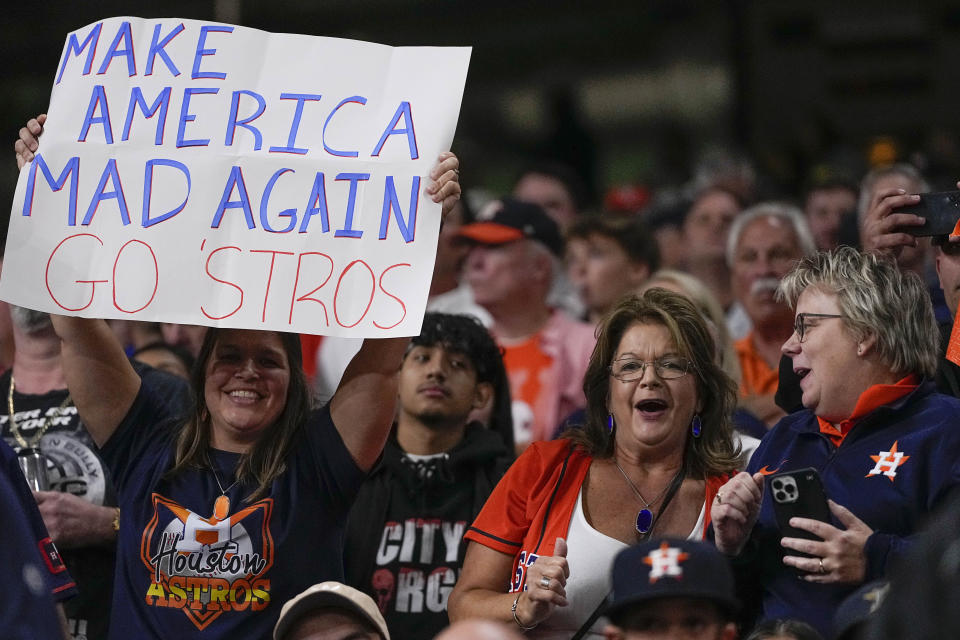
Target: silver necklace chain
{"type": "Point", "coordinates": [636, 491]}
{"type": "Point", "coordinates": [216, 476]}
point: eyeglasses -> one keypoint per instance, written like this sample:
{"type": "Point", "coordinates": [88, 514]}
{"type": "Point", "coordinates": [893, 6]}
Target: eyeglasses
{"type": "Point", "coordinates": [630, 369]}
{"type": "Point", "coordinates": [800, 325]}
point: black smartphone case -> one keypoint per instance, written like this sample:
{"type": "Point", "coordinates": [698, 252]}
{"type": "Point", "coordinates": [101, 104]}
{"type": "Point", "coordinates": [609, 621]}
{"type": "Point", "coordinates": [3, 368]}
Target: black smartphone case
{"type": "Point", "coordinates": [798, 494]}
{"type": "Point", "coordinates": [941, 210]}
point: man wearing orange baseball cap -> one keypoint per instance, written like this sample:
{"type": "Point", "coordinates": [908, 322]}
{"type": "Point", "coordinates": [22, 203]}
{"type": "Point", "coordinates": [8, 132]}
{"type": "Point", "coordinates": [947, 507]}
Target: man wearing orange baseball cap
{"type": "Point", "coordinates": [513, 264]}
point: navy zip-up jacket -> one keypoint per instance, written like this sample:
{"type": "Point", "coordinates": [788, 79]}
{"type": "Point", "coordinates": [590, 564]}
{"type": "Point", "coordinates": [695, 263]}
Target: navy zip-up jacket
{"type": "Point", "coordinates": [892, 470]}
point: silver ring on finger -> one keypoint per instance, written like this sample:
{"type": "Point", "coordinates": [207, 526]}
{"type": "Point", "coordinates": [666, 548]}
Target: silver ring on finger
{"type": "Point", "coordinates": [822, 569]}
{"type": "Point", "coordinates": [545, 582]}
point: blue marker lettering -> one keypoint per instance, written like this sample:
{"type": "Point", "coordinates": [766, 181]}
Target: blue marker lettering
{"type": "Point", "coordinates": [286, 213]}
{"type": "Point", "coordinates": [161, 104]}
{"type": "Point", "coordinates": [157, 48]}
{"type": "Point", "coordinates": [233, 123]}
{"type": "Point", "coordinates": [74, 47]}
{"type": "Point", "coordinates": [318, 197]}
{"type": "Point", "coordinates": [196, 74]}
{"type": "Point", "coordinates": [234, 180]}
{"type": "Point", "coordinates": [341, 154]}
{"type": "Point", "coordinates": [186, 116]}
{"type": "Point", "coordinates": [348, 231]}
{"type": "Point", "coordinates": [98, 102]}
{"type": "Point", "coordinates": [70, 170]}
{"type": "Point", "coordinates": [109, 173]}
{"type": "Point", "coordinates": [295, 125]}
{"type": "Point", "coordinates": [145, 220]}
{"type": "Point", "coordinates": [403, 111]}
{"type": "Point", "coordinates": [407, 227]}
{"type": "Point", "coordinates": [123, 35]}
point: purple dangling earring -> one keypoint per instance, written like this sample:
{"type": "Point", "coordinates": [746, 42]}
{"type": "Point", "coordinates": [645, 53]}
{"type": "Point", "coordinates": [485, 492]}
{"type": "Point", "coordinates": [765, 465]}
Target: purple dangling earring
{"type": "Point", "coordinates": [610, 424]}
{"type": "Point", "coordinates": [696, 426]}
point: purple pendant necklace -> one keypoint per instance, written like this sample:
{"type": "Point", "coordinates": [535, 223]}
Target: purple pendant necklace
{"type": "Point", "coordinates": [646, 516]}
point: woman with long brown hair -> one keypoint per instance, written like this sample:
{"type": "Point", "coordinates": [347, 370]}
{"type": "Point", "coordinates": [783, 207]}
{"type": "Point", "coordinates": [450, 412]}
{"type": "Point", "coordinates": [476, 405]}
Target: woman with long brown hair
{"type": "Point", "coordinates": [655, 448]}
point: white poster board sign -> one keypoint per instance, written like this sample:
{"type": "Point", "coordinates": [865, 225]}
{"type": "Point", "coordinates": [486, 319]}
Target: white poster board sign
{"type": "Point", "coordinates": [210, 174]}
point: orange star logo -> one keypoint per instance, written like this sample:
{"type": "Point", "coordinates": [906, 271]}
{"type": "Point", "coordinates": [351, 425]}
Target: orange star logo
{"type": "Point", "coordinates": [887, 462]}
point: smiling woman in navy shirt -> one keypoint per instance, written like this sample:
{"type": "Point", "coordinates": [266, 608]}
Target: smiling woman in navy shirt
{"type": "Point", "coordinates": [230, 513]}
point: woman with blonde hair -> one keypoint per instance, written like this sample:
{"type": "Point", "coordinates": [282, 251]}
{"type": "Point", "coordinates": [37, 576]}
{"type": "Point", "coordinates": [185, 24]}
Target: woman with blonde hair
{"type": "Point", "coordinates": [884, 442]}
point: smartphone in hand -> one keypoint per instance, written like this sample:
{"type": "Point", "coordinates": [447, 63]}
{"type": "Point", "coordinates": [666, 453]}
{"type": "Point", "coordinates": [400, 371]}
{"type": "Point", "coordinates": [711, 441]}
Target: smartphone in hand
{"type": "Point", "coordinates": [798, 494]}
{"type": "Point", "coordinates": [940, 209]}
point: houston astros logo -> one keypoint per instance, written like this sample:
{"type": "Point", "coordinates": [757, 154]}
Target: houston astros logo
{"type": "Point", "coordinates": [206, 566]}
{"type": "Point", "coordinates": [665, 561]}
{"type": "Point", "coordinates": [887, 462]}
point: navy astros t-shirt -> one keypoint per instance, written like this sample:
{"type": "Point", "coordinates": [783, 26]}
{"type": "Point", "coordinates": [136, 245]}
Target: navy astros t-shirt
{"type": "Point", "coordinates": [182, 571]}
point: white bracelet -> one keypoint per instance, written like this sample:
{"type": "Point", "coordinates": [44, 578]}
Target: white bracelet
{"type": "Point", "coordinates": [515, 618]}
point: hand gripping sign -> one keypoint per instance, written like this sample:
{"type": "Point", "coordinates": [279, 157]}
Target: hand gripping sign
{"type": "Point", "coordinates": [211, 174]}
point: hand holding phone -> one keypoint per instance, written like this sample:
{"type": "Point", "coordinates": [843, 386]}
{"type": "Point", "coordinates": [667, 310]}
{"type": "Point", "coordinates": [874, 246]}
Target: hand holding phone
{"type": "Point", "coordinates": [835, 554]}
{"type": "Point", "coordinates": [798, 494]}
{"type": "Point", "coordinates": [940, 209]}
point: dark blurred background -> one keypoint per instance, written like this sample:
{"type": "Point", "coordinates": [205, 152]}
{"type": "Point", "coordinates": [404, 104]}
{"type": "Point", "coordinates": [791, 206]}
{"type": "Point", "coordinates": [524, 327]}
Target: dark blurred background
{"type": "Point", "coordinates": [630, 93]}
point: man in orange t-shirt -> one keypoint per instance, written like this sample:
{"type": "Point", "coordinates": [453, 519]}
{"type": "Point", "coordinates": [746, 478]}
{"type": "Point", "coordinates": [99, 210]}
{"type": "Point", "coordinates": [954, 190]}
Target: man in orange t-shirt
{"type": "Point", "coordinates": [766, 241]}
{"type": "Point", "coordinates": [511, 267]}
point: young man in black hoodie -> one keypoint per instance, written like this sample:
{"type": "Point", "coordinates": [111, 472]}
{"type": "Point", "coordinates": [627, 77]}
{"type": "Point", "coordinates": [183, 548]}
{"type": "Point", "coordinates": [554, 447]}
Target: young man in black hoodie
{"type": "Point", "coordinates": [403, 543]}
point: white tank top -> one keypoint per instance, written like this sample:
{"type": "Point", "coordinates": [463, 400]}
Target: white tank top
{"type": "Point", "coordinates": [590, 558]}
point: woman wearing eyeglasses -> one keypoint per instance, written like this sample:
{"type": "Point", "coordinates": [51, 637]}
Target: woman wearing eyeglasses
{"type": "Point", "coordinates": [886, 445]}
{"type": "Point", "coordinates": [654, 450]}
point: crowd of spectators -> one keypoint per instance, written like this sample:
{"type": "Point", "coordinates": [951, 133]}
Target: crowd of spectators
{"type": "Point", "coordinates": [579, 444]}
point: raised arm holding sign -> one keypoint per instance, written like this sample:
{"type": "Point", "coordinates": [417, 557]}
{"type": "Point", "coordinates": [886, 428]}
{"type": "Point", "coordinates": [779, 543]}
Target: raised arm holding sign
{"type": "Point", "coordinates": [232, 512]}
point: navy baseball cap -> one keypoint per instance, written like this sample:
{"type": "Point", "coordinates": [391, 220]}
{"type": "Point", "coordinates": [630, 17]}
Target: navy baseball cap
{"type": "Point", "coordinates": [857, 608]}
{"type": "Point", "coordinates": [670, 568]}
{"type": "Point", "coordinates": [515, 220]}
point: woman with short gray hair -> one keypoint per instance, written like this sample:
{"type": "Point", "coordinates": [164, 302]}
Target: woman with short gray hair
{"type": "Point", "coordinates": [875, 298]}
{"type": "Point", "coordinates": [885, 444]}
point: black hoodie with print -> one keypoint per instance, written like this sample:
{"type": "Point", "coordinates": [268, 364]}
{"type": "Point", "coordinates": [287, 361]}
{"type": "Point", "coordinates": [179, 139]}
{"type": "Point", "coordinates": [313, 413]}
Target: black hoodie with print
{"type": "Point", "coordinates": [404, 538]}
